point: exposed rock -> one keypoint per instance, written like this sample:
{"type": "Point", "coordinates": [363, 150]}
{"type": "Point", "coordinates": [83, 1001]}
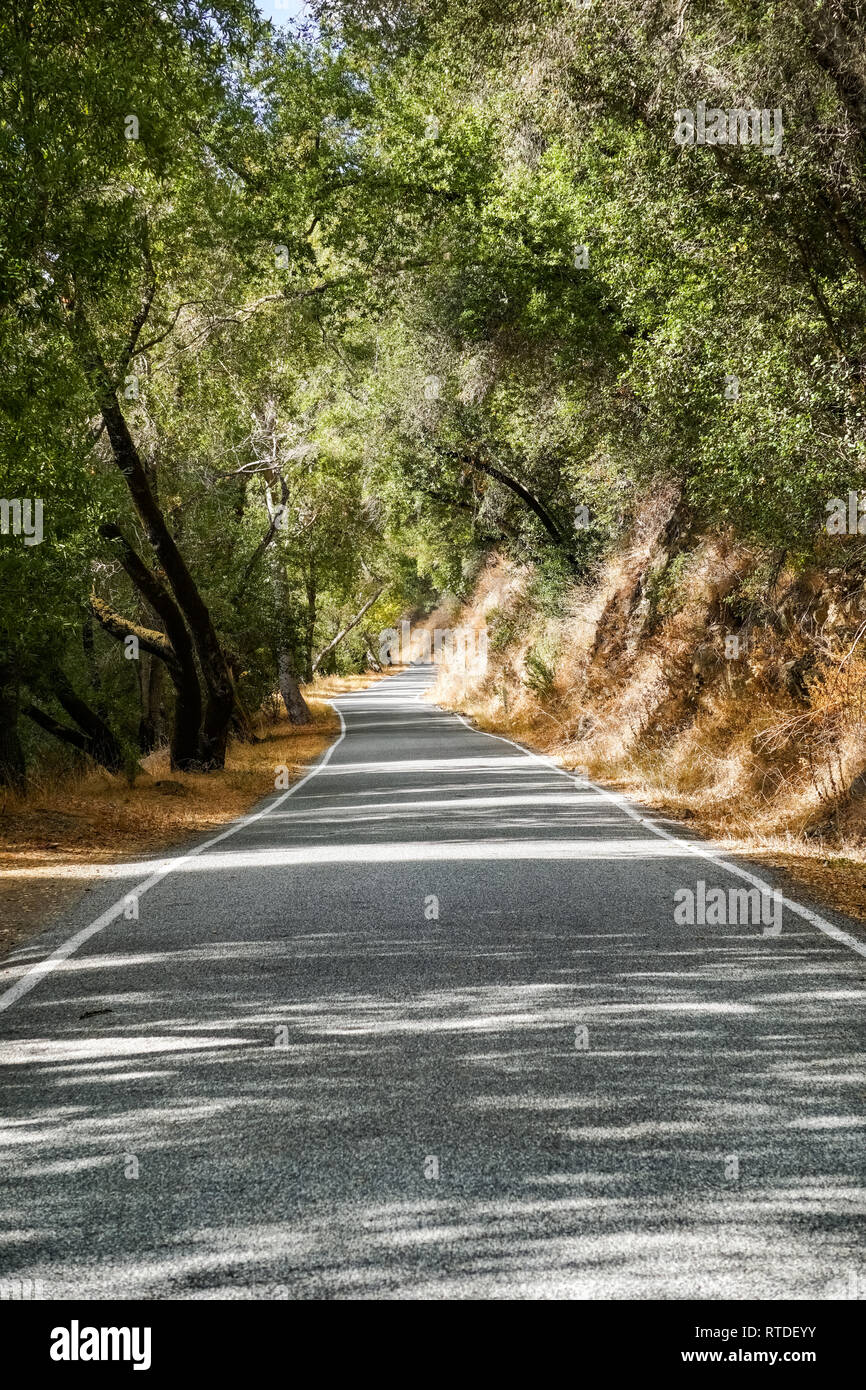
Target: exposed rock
{"type": "Point", "coordinates": [793, 677]}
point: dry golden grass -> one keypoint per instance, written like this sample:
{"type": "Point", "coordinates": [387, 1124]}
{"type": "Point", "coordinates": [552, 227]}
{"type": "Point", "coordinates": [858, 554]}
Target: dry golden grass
{"type": "Point", "coordinates": [732, 755]}
{"type": "Point", "coordinates": [96, 818]}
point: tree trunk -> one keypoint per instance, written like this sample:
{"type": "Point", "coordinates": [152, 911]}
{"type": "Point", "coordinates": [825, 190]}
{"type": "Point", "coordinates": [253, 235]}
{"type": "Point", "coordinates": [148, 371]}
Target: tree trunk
{"type": "Point", "coordinates": [214, 667]}
{"type": "Point", "coordinates": [177, 656]}
{"type": "Point", "coordinates": [13, 770]}
{"type": "Point", "coordinates": [74, 737]}
{"type": "Point", "coordinates": [89, 646]}
{"type": "Point", "coordinates": [150, 724]}
{"type": "Point", "coordinates": [99, 743]}
{"type": "Point", "coordinates": [146, 731]}
{"type": "Point", "coordinates": [296, 706]}
{"type": "Point", "coordinates": [560, 540]}
{"type": "Point", "coordinates": [344, 632]}
{"type": "Point", "coordinates": [310, 623]}
{"type": "Point", "coordinates": [371, 650]}
{"type": "Point", "coordinates": [525, 495]}
{"type": "Point", "coordinates": [102, 744]}
{"type": "Point", "coordinates": [156, 701]}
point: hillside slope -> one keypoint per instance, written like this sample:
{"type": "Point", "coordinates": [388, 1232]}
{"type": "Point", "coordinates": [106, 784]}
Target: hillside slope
{"type": "Point", "coordinates": [705, 677]}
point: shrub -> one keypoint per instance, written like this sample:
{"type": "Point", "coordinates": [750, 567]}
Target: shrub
{"type": "Point", "coordinates": [538, 675]}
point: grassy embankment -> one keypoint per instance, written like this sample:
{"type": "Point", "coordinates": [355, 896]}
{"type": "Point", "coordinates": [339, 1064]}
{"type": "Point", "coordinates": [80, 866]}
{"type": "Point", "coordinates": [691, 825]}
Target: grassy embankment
{"type": "Point", "coordinates": [625, 677]}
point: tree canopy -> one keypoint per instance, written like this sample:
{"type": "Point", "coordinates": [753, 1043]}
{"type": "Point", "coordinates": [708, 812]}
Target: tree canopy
{"type": "Point", "coordinates": [296, 323]}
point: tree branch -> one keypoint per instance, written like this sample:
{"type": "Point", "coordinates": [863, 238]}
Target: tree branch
{"type": "Point", "coordinates": [143, 312]}
{"type": "Point", "coordinates": [53, 726]}
{"type": "Point", "coordinates": [347, 629]}
{"type": "Point", "coordinates": [156, 594]}
{"type": "Point", "coordinates": [119, 627]}
{"type": "Point", "coordinates": [474, 461]}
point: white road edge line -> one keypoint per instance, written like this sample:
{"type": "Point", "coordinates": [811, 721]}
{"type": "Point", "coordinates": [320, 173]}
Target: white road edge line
{"type": "Point", "coordinates": [32, 977]}
{"type": "Point", "coordinates": [616, 799]}
{"type": "Point", "coordinates": [44, 967]}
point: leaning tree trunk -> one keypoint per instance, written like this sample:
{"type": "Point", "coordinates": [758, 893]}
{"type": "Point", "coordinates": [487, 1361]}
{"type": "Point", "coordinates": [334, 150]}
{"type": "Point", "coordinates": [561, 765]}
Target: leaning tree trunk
{"type": "Point", "coordinates": [344, 631]}
{"type": "Point", "coordinates": [220, 701]}
{"type": "Point", "coordinates": [176, 655]}
{"type": "Point", "coordinates": [13, 769]}
{"type": "Point", "coordinates": [103, 744]}
{"type": "Point", "coordinates": [371, 651]}
{"type": "Point", "coordinates": [93, 736]}
{"type": "Point", "coordinates": [216, 675]}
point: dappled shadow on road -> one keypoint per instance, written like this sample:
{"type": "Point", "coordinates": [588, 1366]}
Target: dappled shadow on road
{"type": "Point", "coordinates": [433, 1031]}
{"type": "Point", "coordinates": [497, 806]}
{"type": "Point", "coordinates": [698, 1130]}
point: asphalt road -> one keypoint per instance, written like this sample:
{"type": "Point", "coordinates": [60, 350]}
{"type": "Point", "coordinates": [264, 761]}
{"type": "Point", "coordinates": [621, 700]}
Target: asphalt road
{"type": "Point", "coordinates": [289, 1078]}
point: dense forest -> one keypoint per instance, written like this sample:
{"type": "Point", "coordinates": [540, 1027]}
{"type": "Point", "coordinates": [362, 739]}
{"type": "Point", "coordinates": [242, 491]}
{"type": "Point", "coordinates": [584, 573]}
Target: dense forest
{"type": "Point", "coordinates": [301, 328]}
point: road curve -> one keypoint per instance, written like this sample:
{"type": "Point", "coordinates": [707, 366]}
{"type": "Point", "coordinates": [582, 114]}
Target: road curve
{"type": "Point", "coordinates": [428, 1028]}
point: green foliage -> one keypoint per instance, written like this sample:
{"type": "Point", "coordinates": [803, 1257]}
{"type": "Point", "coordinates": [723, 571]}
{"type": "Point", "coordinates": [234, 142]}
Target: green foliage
{"type": "Point", "coordinates": [336, 272]}
{"type": "Point", "coordinates": [539, 675]}
{"type": "Point", "coordinates": [502, 628]}
{"type": "Point", "coordinates": [664, 585]}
